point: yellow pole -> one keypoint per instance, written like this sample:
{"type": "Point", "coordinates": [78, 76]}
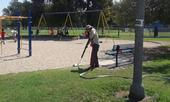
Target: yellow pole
{"type": "Point", "coordinates": [66, 19]}
{"type": "Point", "coordinates": [103, 25]}
{"type": "Point", "coordinates": [103, 22]}
{"type": "Point", "coordinates": [45, 21]}
{"type": "Point", "coordinates": [40, 21]}
{"type": "Point", "coordinates": [104, 19]}
{"type": "Point", "coordinates": [98, 24]}
{"type": "Point", "coordinates": [42, 18]}
{"type": "Point", "coordinates": [99, 20]}
{"type": "Point", "coordinates": [71, 23]}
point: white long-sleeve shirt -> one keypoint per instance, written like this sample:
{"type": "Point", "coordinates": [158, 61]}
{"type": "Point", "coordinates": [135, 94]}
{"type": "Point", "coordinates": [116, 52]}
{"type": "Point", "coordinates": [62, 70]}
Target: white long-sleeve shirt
{"type": "Point", "coordinates": [94, 36]}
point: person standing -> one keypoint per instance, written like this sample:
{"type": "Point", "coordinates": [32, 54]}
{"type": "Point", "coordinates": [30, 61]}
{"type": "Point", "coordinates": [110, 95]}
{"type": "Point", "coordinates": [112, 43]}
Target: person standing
{"type": "Point", "coordinates": [14, 34]}
{"type": "Point", "coordinates": [94, 42]}
{"type": "Point", "coordinates": [2, 35]}
{"type": "Point", "coordinates": [155, 31]}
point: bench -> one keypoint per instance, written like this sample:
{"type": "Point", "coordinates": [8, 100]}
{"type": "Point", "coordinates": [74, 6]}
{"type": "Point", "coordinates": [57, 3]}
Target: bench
{"type": "Point", "coordinates": [120, 49]}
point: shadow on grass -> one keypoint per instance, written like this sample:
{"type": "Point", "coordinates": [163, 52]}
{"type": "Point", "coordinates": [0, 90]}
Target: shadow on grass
{"type": "Point", "coordinates": [162, 52]}
{"type": "Point", "coordinates": [167, 78]}
{"type": "Point", "coordinates": [104, 76]}
{"type": "Point", "coordinates": [162, 69]}
{"type": "Point", "coordinates": [160, 58]}
{"type": "Point", "coordinates": [78, 70]}
{"type": "Point", "coordinates": [84, 74]}
{"type": "Point", "coordinates": [158, 55]}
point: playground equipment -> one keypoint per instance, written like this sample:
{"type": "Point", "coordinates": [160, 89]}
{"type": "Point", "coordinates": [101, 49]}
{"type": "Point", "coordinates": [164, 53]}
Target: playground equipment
{"type": "Point", "coordinates": [18, 18]}
{"type": "Point", "coordinates": [75, 22]}
{"type": "Point", "coordinates": [57, 29]}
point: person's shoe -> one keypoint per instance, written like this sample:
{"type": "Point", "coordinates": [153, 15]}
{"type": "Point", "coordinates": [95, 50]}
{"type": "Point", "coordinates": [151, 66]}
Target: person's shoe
{"type": "Point", "coordinates": [94, 67]}
{"type": "Point", "coordinates": [87, 68]}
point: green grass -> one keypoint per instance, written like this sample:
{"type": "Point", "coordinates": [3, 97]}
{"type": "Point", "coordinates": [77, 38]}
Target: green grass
{"type": "Point", "coordinates": [123, 35]}
{"type": "Point", "coordinates": [157, 39]}
{"type": "Point", "coordinates": [108, 33]}
{"type": "Point", "coordinates": [65, 85]}
{"type": "Point", "coordinates": [59, 85]}
{"type": "Point", "coordinates": [131, 36]}
{"type": "Point", "coordinates": [157, 83]}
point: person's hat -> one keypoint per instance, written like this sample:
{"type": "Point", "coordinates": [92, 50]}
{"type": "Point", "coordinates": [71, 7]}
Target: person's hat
{"type": "Point", "coordinates": [88, 27]}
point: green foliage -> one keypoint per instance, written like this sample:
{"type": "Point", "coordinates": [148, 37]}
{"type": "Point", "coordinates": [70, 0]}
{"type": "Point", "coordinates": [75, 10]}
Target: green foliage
{"type": "Point", "coordinates": [16, 6]}
{"type": "Point", "coordinates": [157, 74]}
{"type": "Point", "coordinates": [125, 12]}
{"type": "Point", "coordinates": [37, 10]}
{"type": "Point", "coordinates": [122, 13]}
{"type": "Point", "coordinates": [157, 10]}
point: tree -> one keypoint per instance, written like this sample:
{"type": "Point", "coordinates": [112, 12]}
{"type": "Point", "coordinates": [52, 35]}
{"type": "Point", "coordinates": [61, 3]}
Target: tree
{"type": "Point", "coordinates": [125, 12]}
{"type": "Point", "coordinates": [104, 5]}
{"type": "Point", "coordinates": [37, 10]}
{"type": "Point", "coordinates": [156, 10]}
{"type": "Point", "coordinates": [13, 7]}
{"type": "Point", "coordinates": [26, 6]}
{"type": "Point", "coordinates": [18, 7]}
{"type": "Point", "coordinates": [79, 6]}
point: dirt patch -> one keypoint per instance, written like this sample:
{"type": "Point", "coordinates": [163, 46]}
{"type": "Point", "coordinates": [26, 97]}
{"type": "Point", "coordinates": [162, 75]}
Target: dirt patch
{"type": "Point", "coordinates": [124, 94]}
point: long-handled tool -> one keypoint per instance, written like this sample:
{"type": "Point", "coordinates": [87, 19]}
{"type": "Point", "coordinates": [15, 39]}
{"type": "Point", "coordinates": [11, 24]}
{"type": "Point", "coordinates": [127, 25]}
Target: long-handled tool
{"type": "Point", "coordinates": [77, 65]}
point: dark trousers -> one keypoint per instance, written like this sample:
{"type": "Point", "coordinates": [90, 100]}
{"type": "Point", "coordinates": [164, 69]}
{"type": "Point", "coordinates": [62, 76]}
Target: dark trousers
{"type": "Point", "coordinates": [94, 58]}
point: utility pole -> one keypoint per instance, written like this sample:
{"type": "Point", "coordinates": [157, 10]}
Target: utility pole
{"type": "Point", "coordinates": [136, 90]}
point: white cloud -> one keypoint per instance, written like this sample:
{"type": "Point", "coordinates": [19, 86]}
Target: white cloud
{"type": "Point", "coordinates": [116, 0]}
{"type": "Point", "coordinates": [23, 0]}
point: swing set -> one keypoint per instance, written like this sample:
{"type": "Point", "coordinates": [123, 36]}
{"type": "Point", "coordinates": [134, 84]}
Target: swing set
{"type": "Point", "coordinates": [18, 18]}
{"type": "Point", "coordinates": [52, 30]}
{"type": "Point", "coordinates": [74, 22]}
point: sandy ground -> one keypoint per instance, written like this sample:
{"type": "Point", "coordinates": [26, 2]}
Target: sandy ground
{"type": "Point", "coordinates": [51, 54]}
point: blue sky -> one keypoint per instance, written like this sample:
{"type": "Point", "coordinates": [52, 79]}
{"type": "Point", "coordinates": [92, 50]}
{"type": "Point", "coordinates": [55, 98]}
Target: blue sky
{"type": "Point", "coordinates": [5, 3]}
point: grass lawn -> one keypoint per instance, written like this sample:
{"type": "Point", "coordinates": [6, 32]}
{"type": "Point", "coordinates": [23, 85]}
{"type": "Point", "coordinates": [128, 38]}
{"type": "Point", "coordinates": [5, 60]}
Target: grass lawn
{"type": "Point", "coordinates": [122, 36]}
{"type": "Point", "coordinates": [131, 36]}
{"type": "Point", "coordinates": [65, 85]}
{"type": "Point", "coordinates": [148, 36]}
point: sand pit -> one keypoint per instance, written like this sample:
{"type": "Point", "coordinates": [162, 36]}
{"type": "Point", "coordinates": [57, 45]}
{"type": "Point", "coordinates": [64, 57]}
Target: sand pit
{"type": "Point", "coordinates": [51, 54]}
